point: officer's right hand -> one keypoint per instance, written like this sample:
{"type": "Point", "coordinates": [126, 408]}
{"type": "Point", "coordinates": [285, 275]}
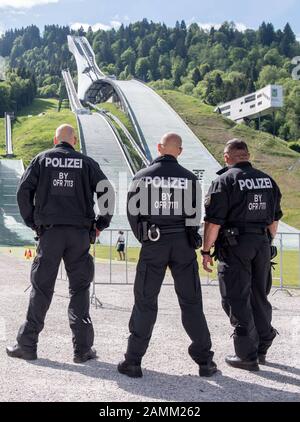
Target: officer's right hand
{"type": "Point", "coordinates": [207, 260]}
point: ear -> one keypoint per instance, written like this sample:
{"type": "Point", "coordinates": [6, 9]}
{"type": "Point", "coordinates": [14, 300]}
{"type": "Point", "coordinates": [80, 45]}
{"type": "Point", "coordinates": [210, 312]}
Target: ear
{"type": "Point", "coordinates": [55, 141]}
{"type": "Point", "coordinates": [180, 151]}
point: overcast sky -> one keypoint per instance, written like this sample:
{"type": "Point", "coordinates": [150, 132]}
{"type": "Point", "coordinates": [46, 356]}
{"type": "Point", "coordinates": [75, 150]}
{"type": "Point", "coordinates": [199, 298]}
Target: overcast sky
{"type": "Point", "coordinates": [111, 13]}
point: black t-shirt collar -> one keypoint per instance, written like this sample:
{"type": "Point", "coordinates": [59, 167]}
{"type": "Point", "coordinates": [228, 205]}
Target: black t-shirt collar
{"type": "Point", "coordinates": [170, 158]}
{"type": "Point", "coordinates": [241, 165]}
{"type": "Point", "coordinates": [64, 145]}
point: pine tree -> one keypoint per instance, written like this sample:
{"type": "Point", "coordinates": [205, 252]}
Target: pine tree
{"type": "Point", "coordinates": [196, 76]}
{"type": "Point", "coordinates": [288, 40]}
{"type": "Point", "coordinates": [266, 34]}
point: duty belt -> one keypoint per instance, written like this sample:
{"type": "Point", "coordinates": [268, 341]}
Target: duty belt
{"type": "Point", "coordinates": [252, 230]}
{"type": "Point", "coordinates": [230, 235]}
{"type": "Point", "coordinates": [154, 232]}
{"type": "Point", "coordinates": [172, 230]}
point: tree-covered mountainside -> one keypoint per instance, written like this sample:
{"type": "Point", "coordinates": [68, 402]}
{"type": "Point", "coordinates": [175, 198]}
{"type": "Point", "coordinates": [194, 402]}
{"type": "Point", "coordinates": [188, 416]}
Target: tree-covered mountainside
{"type": "Point", "coordinates": [18, 90]}
{"type": "Point", "coordinates": [214, 66]}
{"type": "Point", "coordinates": [35, 126]}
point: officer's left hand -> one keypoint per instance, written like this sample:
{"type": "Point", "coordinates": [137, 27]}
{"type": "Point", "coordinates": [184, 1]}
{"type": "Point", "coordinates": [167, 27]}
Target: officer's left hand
{"type": "Point", "coordinates": [98, 232]}
{"type": "Point", "coordinates": [207, 260]}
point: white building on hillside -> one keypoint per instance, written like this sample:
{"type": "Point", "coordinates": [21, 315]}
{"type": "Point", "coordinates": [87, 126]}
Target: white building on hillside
{"type": "Point", "coordinates": [263, 102]}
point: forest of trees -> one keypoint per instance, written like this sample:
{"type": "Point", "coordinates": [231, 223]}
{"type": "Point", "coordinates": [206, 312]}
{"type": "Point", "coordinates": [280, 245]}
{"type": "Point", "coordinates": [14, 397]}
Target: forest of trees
{"type": "Point", "coordinates": [215, 66]}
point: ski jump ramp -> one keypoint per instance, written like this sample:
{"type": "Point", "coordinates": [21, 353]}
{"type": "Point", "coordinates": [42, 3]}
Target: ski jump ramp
{"type": "Point", "coordinates": [155, 118]}
{"type": "Point", "coordinates": [100, 141]}
{"type": "Point", "coordinates": [150, 114]}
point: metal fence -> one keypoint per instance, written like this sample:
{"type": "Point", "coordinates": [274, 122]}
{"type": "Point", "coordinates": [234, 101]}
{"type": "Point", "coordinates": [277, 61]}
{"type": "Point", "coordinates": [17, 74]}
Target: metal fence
{"type": "Point", "coordinates": [287, 270]}
{"type": "Point", "coordinates": [109, 270]}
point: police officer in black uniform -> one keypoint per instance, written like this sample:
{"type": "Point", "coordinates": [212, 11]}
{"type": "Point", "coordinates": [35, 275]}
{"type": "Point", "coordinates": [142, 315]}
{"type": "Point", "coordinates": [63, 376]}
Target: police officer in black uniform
{"type": "Point", "coordinates": [242, 215]}
{"type": "Point", "coordinates": [159, 221]}
{"type": "Point", "coordinates": [56, 199]}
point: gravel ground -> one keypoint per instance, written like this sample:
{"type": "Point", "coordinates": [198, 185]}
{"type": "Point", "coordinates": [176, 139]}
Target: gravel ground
{"type": "Point", "coordinates": [169, 373]}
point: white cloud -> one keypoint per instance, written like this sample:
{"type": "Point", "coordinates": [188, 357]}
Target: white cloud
{"type": "Point", "coordinates": [116, 24]}
{"type": "Point", "coordinates": [17, 12]}
{"type": "Point", "coordinates": [24, 4]}
{"type": "Point", "coordinates": [97, 26]}
{"type": "Point", "coordinates": [241, 27]}
{"type": "Point", "coordinates": [208, 25]}
{"type": "Point", "coordinates": [77, 25]}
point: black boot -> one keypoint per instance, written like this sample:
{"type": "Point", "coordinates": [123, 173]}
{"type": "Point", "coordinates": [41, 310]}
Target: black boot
{"type": "Point", "coordinates": [17, 352]}
{"type": "Point", "coordinates": [247, 365]}
{"type": "Point", "coordinates": [265, 345]}
{"type": "Point", "coordinates": [208, 370]}
{"type": "Point", "coordinates": [130, 369]}
{"type": "Point", "coordinates": [262, 359]}
{"type": "Point", "coordinates": [84, 357]}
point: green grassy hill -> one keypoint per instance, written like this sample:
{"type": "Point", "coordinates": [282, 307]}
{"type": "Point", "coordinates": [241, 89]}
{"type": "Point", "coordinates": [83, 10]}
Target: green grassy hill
{"type": "Point", "coordinates": [34, 134]}
{"type": "Point", "coordinates": [269, 154]}
{"type": "Point", "coordinates": [34, 129]}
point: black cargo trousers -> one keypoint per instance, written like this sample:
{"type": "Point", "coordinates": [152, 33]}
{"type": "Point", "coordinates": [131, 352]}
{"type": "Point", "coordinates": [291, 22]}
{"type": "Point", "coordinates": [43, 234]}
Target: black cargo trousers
{"type": "Point", "coordinates": [245, 281]}
{"type": "Point", "coordinates": [71, 244]}
{"type": "Point", "coordinates": [173, 251]}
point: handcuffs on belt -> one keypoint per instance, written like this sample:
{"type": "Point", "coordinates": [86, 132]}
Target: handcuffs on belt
{"type": "Point", "coordinates": [154, 233]}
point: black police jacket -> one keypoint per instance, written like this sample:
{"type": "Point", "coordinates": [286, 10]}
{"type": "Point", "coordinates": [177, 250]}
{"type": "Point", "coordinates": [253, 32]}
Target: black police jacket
{"type": "Point", "coordinates": [58, 188]}
{"type": "Point", "coordinates": [243, 196]}
{"type": "Point", "coordinates": [165, 194]}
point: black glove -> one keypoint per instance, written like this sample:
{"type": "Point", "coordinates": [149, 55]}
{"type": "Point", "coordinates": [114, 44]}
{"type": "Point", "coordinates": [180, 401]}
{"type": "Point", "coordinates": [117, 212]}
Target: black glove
{"type": "Point", "coordinates": [274, 252]}
{"type": "Point", "coordinates": [93, 233]}
{"type": "Point", "coordinates": [39, 231]}
{"type": "Point", "coordinates": [195, 239]}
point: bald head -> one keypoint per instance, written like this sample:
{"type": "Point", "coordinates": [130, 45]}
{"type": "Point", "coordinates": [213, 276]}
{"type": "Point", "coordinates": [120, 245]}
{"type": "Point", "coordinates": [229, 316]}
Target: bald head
{"type": "Point", "coordinates": [66, 133]}
{"type": "Point", "coordinates": [170, 144]}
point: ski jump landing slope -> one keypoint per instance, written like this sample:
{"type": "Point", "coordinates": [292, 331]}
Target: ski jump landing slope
{"type": "Point", "coordinates": [155, 118]}
{"type": "Point", "coordinates": [150, 114]}
{"type": "Point", "coordinates": [100, 142]}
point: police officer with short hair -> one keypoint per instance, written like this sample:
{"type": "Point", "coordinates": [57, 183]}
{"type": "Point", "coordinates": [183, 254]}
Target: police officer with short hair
{"type": "Point", "coordinates": [56, 199]}
{"type": "Point", "coordinates": [161, 205]}
{"type": "Point", "coordinates": [242, 215]}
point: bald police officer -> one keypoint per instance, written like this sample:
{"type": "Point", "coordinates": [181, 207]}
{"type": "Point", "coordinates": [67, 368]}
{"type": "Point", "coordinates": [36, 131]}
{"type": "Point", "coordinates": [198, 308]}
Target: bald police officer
{"type": "Point", "coordinates": [56, 199]}
{"type": "Point", "coordinates": [163, 201]}
{"type": "Point", "coordinates": [242, 215]}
